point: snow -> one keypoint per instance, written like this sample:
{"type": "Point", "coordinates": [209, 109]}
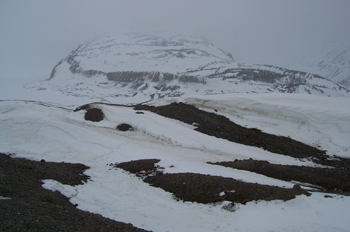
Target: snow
{"type": "Point", "coordinates": [331, 60]}
{"type": "Point", "coordinates": [315, 120]}
{"type": "Point", "coordinates": [146, 52]}
{"type": "Point", "coordinates": [38, 131]}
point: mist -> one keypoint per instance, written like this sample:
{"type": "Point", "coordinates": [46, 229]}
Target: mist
{"type": "Point", "coordinates": [35, 35]}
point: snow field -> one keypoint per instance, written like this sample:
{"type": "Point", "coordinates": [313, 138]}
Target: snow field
{"type": "Point", "coordinates": [40, 132]}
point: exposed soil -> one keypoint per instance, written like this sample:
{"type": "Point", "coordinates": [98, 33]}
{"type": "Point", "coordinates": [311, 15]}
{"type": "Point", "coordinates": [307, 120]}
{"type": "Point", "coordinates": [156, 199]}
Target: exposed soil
{"type": "Point", "coordinates": [30, 207]}
{"type": "Point", "coordinates": [94, 115]}
{"type": "Point", "coordinates": [205, 188]}
{"type": "Point", "coordinates": [124, 127]}
{"type": "Point", "coordinates": [221, 127]}
{"type": "Point", "coordinates": [329, 179]}
{"type": "Point", "coordinates": [335, 179]}
{"type": "Point", "coordinates": [142, 168]}
{"type": "Point", "coordinates": [210, 189]}
{"type": "Point", "coordinates": [83, 107]}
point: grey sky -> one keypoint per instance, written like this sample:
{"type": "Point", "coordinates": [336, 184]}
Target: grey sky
{"type": "Point", "coordinates": [35, 35]}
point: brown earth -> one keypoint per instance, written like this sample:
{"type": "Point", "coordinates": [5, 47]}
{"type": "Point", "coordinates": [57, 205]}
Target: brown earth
{"type": "Point", "coordinates": [210, 189]}
{"type": "Point", "coordinates": [124, 127]}
{"type": "Point", "coordinates": [30, 207]}
{"type": "Point", "coordinates": [94, 115]}
{"type": "Point", "coordinates": [142, 168]}
{"type": "Point", "coordinates": [335, 178]}
{"type": "Point", "coordinates": [205, 188]}
{"type": "Point", "coordinates": [91, 113]}
{"type": "Point", "coordinates": [221, 127]}
{"type": "Point", "coordinates": [328, 179]}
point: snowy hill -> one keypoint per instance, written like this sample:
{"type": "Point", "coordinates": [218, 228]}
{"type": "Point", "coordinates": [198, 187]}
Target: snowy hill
{"type": "Point", "coordinates": [331, 61]}
{"type": "Point", "coordinates": [145, 52]}
{"type": "Point", "coordinates": [40, 131]}
{"type": "Point", "coordinates": [140, 67]}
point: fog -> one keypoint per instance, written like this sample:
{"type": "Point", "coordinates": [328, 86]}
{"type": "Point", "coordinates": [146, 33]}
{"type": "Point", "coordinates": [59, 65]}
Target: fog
{"type": "Point", "coordinates": [35, 35]}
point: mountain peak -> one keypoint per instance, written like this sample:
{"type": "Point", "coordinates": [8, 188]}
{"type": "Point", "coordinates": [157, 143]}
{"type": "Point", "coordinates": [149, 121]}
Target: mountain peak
{"type": "Point", "coordinates": [161, 52]}
{"type": "Point", "coordinates": [136, 67]}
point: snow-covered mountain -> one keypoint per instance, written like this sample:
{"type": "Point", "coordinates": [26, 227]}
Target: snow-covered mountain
{"type": "Point", "coordinates": [144, 53]}
{"type": "Point", "coordinates": [139, 67]}
{"type": "Point", "coordinates": [331, 61]}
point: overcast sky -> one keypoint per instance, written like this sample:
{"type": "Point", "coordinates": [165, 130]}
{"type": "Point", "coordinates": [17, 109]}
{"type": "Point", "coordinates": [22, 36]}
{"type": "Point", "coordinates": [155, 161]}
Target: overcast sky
{"type": "Point", "coordinates": [35, 35]}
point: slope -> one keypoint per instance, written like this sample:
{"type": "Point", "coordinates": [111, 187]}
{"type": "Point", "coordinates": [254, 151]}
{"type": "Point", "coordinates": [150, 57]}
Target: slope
{"type": "Point", "coordinates": [331, 61]}
{"type": "Point", "coordinates": [37, 131]}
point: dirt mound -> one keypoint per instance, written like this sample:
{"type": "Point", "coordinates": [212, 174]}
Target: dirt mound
{"type": "Point", "coordinates": [330, 179]}
{"type": "Point", "coordinates": [221, 127]}
{"type": "Point", "coordinates": [143, 167]}
{"type": "Point", "coordinates": [205, 188]}
{"type": "Point", "coordinates": [209, 189]}
{"type": "Point", "coordinates": [124, 127]}
{"type": "Point", "coordinates": [94, 115]}
{"type": "Point", "coordinates": [29, 207]}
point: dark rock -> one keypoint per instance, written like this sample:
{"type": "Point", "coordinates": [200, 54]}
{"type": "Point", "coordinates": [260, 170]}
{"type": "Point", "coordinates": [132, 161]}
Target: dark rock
{"type": "Point", "coordinates": [125, 127]}
{"type": "Point", "coordinates": [94, 115]}
{"type": "Point", "coordinates": [326, 178]}
{"type": "Point", "coordinates": [83, 107]}
{"type": "Point", "coordinates": [206, 188]}
{"type": "Point", "coordinates": [146, 166]}
{"type": "Point", "coordinates": [126, 76]}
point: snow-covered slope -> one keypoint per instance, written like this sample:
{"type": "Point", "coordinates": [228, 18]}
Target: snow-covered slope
{"type": "Point", "coordinates": [132, 68]}
{"type": "Point", "coordinates": [331, 61]}
{"type": "Point", "coordinates": [145, 52]}
{"type": "Point", "coordinates": [39, 131]}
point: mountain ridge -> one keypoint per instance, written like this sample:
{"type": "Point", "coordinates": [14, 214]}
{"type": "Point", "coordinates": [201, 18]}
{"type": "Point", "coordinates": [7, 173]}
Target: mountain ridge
{"type": "Point", "coordinates": [140, 67]}
{"type": "Point", "coordinates": [331, 61]}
